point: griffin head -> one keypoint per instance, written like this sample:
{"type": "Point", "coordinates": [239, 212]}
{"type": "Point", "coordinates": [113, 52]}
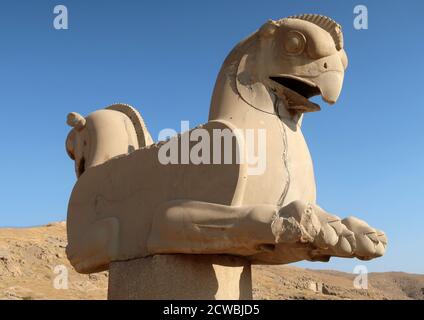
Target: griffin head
{"type": "Point", "coordinates": [104, 134]}
{"type": "Point", "coordinates": [292, 59]}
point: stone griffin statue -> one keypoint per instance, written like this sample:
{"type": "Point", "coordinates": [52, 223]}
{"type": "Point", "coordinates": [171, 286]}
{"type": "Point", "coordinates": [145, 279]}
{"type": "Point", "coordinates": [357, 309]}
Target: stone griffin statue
{"type": "Point", "coordinates": [127, 205]}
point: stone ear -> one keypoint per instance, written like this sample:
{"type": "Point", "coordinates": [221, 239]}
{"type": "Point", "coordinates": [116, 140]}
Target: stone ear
{"type": "Point", "coordinates": [76, 121]}
{"type": "Point", "coordinates": [268, 29]}
{"type": "Point", "coordinates": [70, 139]}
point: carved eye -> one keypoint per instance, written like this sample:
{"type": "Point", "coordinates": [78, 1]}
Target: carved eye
{"type": "Point", "coordinates": [295, 43]}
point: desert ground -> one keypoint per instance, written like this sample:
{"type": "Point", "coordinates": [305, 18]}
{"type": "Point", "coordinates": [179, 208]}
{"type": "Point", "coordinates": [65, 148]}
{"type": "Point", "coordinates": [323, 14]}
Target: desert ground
{"type": "Point", "coordinates": [29, 258]}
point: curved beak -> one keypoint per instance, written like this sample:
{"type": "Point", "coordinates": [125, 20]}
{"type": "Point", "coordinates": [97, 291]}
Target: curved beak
{"type": "Point", "coordinates": [330, 85]}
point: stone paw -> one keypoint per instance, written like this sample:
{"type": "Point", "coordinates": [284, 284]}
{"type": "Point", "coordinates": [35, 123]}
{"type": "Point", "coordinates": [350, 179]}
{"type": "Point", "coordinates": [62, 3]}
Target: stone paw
{"type": "Point", "coordinates": [327, 235]}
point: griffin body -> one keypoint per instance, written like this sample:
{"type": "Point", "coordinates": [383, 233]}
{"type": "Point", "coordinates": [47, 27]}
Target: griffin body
{"type": "Point", "coordinates": [126, 204]}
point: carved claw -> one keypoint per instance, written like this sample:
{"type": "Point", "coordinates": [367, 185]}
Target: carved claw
{"type": "Point", "coordinates": [334, 238]}
{"type": "Point", "coordinates": [370, 243]}
{"type": "Point", "coordinates": [383, 243]}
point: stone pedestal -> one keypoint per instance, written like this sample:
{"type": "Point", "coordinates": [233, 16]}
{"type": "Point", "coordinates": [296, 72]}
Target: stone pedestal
{"type": "Point", "coordinates": [189, 277]}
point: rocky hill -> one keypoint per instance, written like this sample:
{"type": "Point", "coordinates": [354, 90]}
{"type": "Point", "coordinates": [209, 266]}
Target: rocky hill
{"type": "Point", "coordinates": [32, 258]}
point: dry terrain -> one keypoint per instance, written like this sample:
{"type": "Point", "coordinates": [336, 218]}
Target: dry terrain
{"type": "Point", "coordinates": [30, 257]}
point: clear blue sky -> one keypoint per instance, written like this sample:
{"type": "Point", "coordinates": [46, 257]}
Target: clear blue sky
{"type": "Point", "coordinates": [368, 150]}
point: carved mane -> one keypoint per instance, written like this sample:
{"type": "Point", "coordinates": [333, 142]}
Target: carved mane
{"type": "Point", "coordinates": [329, 25]}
